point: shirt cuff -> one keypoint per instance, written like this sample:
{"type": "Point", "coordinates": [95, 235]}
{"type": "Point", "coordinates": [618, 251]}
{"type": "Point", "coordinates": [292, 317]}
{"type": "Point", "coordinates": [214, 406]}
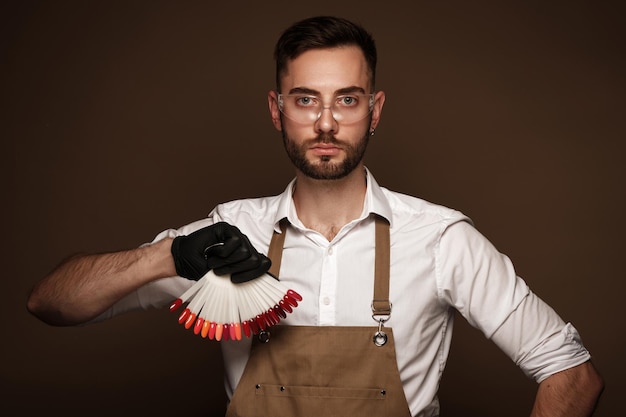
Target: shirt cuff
{"type": "Point", "coordinates": [539, 341]}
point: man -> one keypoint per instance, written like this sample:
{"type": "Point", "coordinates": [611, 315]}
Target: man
{"type": "Point", "coordinates": [380, 273]}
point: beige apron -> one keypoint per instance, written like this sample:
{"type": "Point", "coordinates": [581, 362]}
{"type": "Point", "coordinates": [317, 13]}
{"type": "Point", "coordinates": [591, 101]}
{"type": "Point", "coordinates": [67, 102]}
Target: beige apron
{"type": "Point", "coordinates": [325, 371]}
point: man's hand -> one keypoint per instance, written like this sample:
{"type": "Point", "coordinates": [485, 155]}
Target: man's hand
{"type": "Point", "coordinates": [222, 248]}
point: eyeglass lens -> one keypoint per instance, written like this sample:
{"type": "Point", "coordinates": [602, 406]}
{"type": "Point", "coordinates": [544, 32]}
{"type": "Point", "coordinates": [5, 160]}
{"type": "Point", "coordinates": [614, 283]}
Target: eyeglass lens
{"type": "Point", "coordinates": [307, 108]}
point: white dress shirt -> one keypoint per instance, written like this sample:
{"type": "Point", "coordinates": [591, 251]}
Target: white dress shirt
{"type": "Point", "coordinates": [439, 263]}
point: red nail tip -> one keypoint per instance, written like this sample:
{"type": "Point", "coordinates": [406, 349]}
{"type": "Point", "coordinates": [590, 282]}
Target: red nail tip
{"type": "Point", "coordinates": [254, 326]}
{"type": "Point", "coordinates": [226, 332]}
{"type": "Point", "coordinates": [290, 300]}
{"type": "Point", "coordinates": [190, 319]}
{"type": "Point", "coordinates": [183, 316]}
{"type": "Point", "coordinates": [285, 306]}
{"type": "Point", "coordinates": [294, 295]}
{"type": "Point", "coordinates": [246, 328]}
{"type": "Point", "coordinates": [212, 329]}
{"type": "Point", "coordinates": [279, 311]}
{"type": "Point", "coordinates": [198, 326]}
{"type": "Point", "coordinates": [174, 306]}
{"type": "Point", "coordinates": [261, 322]}
{"type": "Point", "coordinates": [273, 316]}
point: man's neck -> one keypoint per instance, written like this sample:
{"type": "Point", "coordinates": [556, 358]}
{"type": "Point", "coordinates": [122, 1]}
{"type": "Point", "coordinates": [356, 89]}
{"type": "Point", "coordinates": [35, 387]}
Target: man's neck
{"type": "Point", "coordinates": [328, 205]}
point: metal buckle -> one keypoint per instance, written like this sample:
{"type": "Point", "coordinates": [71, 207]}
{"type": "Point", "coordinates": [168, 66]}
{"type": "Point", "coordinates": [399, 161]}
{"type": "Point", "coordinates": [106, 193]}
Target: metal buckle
{"type": "Point", "coordinates": [380, 337]}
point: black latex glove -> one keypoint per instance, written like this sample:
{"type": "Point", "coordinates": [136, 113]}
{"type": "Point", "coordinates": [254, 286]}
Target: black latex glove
{"type": "Point", "coordinates": [220, 247]}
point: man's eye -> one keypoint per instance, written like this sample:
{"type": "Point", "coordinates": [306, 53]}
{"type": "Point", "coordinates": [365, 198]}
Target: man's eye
{"type": "Point", "coordinates": [305, 101]}
{"type": "Point", "coordinates": [348, 101]}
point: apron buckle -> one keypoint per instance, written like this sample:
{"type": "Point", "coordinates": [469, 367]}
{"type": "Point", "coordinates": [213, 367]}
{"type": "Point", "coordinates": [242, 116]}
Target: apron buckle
{"type": "Point", "coordinates": [380, 337]}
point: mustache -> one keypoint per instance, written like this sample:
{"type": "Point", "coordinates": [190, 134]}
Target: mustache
{"type": "Point", "coordinates": [325, 137]}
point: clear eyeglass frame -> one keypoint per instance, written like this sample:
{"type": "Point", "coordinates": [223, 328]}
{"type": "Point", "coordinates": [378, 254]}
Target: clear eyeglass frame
{"type": "Point", "coordinates": [342, 113]}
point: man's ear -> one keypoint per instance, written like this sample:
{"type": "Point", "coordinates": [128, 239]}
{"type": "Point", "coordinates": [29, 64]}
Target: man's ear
{"type": "Point", "coordinates": [272, 101]}
{"type": "Point", "coordinates": [379, 101]}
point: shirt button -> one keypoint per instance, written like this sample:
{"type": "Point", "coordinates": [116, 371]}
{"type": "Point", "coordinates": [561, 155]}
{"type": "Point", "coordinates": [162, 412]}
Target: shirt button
{"type": "Point", "coordinates": [330, 250]}
{"type": "Point", "coordinates": [326, 301]}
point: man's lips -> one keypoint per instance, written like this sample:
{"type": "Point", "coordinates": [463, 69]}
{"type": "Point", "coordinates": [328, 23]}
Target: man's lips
{"type": "Point", "coordinates": [322, 149]}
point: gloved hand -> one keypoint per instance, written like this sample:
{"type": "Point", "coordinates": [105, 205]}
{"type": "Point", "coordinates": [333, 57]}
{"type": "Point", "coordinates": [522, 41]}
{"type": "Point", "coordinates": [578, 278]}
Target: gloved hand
{"type": "Point", "coordinates": [222, 248]}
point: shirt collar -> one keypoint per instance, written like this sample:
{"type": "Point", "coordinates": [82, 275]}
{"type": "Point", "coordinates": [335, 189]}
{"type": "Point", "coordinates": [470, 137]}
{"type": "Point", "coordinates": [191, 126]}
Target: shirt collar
{"type": "Point", "coordinates": [375, 203]}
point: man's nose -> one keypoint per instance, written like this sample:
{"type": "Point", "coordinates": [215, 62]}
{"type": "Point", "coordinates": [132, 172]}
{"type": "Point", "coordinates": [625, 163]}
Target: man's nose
{"type": "Point", "coordinates": [326, 122]}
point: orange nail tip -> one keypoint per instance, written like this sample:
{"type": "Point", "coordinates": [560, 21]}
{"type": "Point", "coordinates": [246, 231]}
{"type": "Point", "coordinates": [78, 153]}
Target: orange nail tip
{"type": "Point", "coordinates": [235, 331]}
{"type": "Point", "coordinates": [190, 319]}
{"type": "Point", "coordinates": [205, 329]}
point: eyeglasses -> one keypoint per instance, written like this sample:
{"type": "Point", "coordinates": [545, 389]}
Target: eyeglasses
{"type": "Point", "coordinates": [304, 108]}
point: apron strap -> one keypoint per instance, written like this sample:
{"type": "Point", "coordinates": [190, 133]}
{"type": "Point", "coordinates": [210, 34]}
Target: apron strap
{"type": "Point", "coordinates": [275, 251]}
{"type": "Point", "coordinates": [380, 304]}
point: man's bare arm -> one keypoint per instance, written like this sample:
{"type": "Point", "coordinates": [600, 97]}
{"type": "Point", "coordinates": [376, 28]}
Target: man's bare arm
{"type": "Point", "coordinates": [571, 393]}
{"type": "Point", "coordinates": [84, 286]}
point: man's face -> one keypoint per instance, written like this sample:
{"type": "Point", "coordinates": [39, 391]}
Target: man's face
{"type": "Point", "coordinates": [326, 149]}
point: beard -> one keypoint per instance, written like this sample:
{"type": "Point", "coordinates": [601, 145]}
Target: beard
{"type": "Point", "coordinates": [324, 168]}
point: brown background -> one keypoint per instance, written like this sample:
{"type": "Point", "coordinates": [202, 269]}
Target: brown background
{"type": "Point", "coordinates": [123, 118]}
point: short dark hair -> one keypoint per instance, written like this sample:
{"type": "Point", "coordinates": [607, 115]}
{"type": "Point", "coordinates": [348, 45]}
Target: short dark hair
{"type": "Point", "coordinates": [323, 32]}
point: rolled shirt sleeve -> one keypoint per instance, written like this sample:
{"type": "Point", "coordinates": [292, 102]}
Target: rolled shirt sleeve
{"type": "Point", "coordinates": [482, 285]}
{"type": "Point", "coordinates": [539, 341]}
